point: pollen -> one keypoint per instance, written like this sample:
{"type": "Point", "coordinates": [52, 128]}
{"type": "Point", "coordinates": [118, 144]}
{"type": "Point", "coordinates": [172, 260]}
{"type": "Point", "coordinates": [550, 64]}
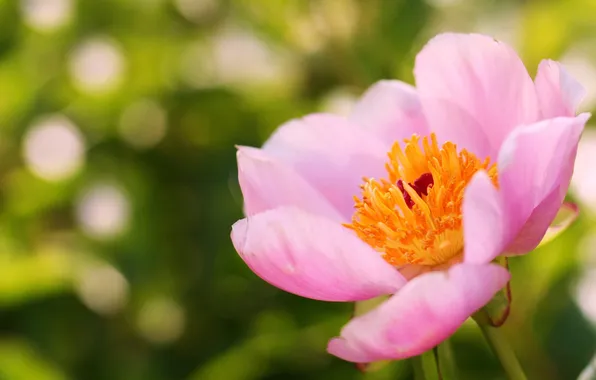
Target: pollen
{"type": "Point", "coordinates": [414, 216]}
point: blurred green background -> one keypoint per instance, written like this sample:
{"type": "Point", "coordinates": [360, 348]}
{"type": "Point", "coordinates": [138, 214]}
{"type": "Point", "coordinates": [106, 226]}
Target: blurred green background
{"type": "Point", "coordinates": [118, 186]}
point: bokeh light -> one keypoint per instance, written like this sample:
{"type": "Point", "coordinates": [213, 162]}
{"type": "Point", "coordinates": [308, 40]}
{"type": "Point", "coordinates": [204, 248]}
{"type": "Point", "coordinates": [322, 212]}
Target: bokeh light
{"type": "Point", "coordinates": [443, 3]}
{"type": "Point", "coordinates": [241, 57]}
{"type": "Point", "coordinates": [196, 10]}
{"type": "Point", "coordinates": [46, 15]}
{"type": "Point", "coordinates": [337, 20]}
{"type": "Point", "coordinates": [339, 101]}
{"type": "Point", "coordinates": [53, 148]}
{"type": "Point", "coordinates": [103, 211]}
{"type": "Point", "coordinates": [585, 286]}
{"type": "Point", "coordinates": [102, 288]}
{"type": "Point", "coordinates": [197, 68]}
{"type": "Point", "coordinates": [119, 183]}
{"type": "Point", "coordinates": [161, 320]}
{"type": "Point", "coordinates": [143, 123]}
{"type": "Point", "coordinates": [586, 293]}
{"type": "Point", "coordinates": [579, 62]}
{"type": "Point", "coordinates": [504, 23]}
{"type": "Point", "coordinates": [97, 65]}
{"type": "Point", "coordinates": [583, 182]}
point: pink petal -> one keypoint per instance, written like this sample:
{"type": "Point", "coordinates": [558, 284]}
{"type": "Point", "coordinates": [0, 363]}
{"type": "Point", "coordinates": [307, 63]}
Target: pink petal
{"type": "Point", "coordinates": [312, 256]}
{"type": "Point", "coordinates": [474, 90]}
{"type": "Point", "coordinates": [559, 94]}
{"type": "Point", "coordinates": [391, 110]}
{"type": "Point", "coordinates": [536, 225]}
{"type": "Point", "coordinates": [267, 183]}
{"type": "Point", "coordinates": [536, 164]}
{"type": "Point", "coordinates": [332, 154]}
{"type": "Point", "coordinates": [484, 229]}
{"type": "Point", "coordinates": [421, 315]}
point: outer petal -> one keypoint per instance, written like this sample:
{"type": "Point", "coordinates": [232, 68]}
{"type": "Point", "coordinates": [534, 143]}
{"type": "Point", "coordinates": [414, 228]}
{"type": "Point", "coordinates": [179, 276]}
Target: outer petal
{"type": "Point", "coordinates": [421, 315]}
{"type": "Point", "coordinates": [536, 164]}
{"type": "Point", "coordinates": [484, 224]}
{"type": "Point", "coordinates": [312, 257]}
{"type": "Point", "coordinates": [474, 90]}
{"type": "Point", "coordinates": [267, 183]}
{"type": "Point", "coordinates": [391, 110]}
{"type": "Point", "coordinates": [558, 92]}
{"type": "Point", "coordinates": [332, 154]}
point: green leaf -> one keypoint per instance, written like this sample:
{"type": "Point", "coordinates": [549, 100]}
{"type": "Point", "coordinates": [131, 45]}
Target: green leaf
{"type": "Point", "coordinates": [502, 351]}
{"type": "Point", "coordinates": [20, 361]}
{"type": "Point", "coordinates": [426, 366]}
{"type": "Point", "coordinates": [24, 278]}
{"type": "Point", "coordinates": [446, 361]}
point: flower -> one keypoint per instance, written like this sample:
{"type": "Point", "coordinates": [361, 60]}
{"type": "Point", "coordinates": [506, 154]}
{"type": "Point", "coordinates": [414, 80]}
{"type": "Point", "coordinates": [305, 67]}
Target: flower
{"type": "Point", "coordinates": [480, 159]}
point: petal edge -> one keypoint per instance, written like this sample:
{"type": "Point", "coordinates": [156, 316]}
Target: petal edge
{"type": "Point", "coordinates": [312, 256]}
{"type": "Point", "coordinates": [421, 315]}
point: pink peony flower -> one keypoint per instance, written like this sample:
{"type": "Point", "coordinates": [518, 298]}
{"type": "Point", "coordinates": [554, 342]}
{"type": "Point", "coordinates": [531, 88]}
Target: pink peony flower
{"type": "Point", "coordinates": [480, 159]}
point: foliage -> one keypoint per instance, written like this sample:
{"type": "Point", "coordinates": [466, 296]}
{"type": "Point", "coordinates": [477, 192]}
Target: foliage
{"type": "Point", "coordinates": [115, 259]}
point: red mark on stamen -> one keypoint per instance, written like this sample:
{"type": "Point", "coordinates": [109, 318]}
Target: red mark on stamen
{"type": "Point", "coordinates": [420, 186]}
{"type": "Point", "coordinates": [423, 183]}
{"type": "Point", "coordinates": [407, 197]}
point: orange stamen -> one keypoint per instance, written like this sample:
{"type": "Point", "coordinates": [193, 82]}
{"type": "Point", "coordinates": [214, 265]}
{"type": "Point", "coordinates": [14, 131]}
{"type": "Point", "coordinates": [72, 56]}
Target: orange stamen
{"type": "Point", "coordinates": [415, 216]}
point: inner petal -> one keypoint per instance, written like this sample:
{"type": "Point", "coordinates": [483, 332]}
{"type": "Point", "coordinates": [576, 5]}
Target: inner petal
{"type": "Point", "coordinates": [414, 216]}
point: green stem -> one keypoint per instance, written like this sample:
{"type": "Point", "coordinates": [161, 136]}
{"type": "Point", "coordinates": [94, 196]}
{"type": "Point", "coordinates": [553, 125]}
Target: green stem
{"type": "Point", "coordinates": [503, 352]}
{"type": "Point", "coordinates": [417, 367]}
{"type": "Point", "coordinates": [446, 361]}
{"type": "Point", "coordinates": [426, 366]}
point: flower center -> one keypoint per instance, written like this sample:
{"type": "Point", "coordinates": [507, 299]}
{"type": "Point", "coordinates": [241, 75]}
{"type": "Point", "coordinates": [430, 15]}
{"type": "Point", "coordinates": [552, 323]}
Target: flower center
{"type": "Point", "coordinates": [415, 216]}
